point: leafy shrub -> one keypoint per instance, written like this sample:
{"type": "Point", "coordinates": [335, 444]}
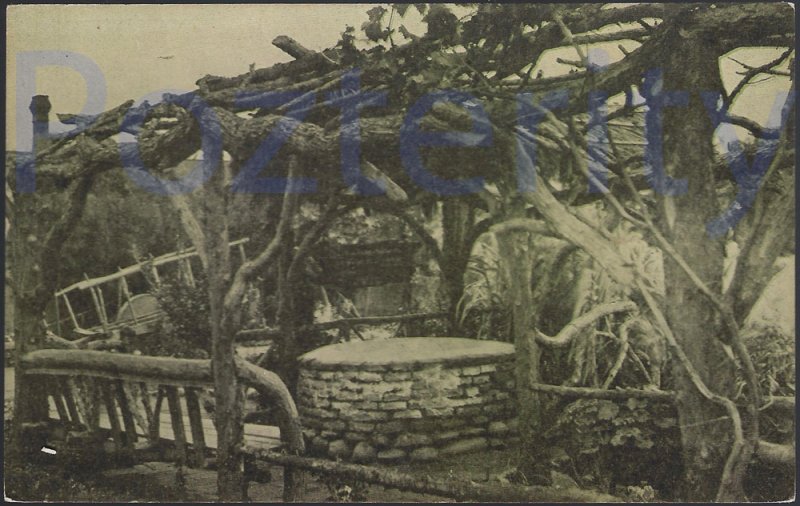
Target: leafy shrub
{"type": "Point", "coordinates": [610, 444]}
{"type": "Point", "coordinates": [486, 322]}
{"type": "Point", "coordinates": [484, 311]}
{"type": "Point", "coordinates": [773, 354]}
{"type": "Point", "coordinates": [185, 330]}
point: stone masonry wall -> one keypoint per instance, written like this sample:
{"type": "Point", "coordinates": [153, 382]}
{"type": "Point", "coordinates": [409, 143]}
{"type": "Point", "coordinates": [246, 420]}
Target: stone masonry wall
{"type": "Point", "coordinates": [415, 411]}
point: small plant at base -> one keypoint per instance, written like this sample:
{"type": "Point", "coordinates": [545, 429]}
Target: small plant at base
{"type": "Point", "coordinates": [639, 493]}
{"type": "Point", "coordinates": [344, 490]}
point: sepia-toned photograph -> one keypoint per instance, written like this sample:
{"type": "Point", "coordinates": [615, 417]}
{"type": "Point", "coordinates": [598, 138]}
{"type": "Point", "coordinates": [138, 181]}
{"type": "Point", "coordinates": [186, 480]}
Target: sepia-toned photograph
{"type": "Point", "coordinates": [400, 253]}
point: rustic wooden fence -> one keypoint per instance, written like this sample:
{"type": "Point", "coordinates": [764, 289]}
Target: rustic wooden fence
{"type": "Point", "coordinates": [130, 390]}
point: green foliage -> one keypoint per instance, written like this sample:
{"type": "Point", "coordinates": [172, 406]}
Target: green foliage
{"type": "Point", "coordinates": [484, 311]}
{"type": "Point", "coordinates": [119, 221]}
{"type": "Point", "coordinates": [401, 8]}
{"type": "Point", "coordinates": [347, 43]}
{"type": "Point", "coordinates": [442, 24]}
{"type": "Point", "coordinates": [773, 354]}
{"type": "Point", "coordinates": [185, 330]}
{"type": "Point", "coordinates": [609, 444]}
{"type": "Point", "coordinates": [373, 28]}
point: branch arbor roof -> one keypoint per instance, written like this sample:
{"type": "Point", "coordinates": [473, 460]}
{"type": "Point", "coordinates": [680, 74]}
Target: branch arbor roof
{"type": "Point", "coordinates": [307, 112]}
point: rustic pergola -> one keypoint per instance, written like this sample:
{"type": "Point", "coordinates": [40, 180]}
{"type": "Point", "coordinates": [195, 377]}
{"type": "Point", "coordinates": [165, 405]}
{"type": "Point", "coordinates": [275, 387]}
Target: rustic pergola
{"type": "Point", "coordinates": [328, 114]}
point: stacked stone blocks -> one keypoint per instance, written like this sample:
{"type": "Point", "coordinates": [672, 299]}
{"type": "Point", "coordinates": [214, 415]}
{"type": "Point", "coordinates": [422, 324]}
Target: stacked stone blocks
{"type": "Point", "coordinates": [415, 410]}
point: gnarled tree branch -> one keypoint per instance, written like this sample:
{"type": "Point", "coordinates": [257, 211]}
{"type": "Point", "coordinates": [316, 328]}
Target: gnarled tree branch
{"type": "Point", "coordinates": [248, 269]}
{"type": "Point", "coordinates": [575, 327]}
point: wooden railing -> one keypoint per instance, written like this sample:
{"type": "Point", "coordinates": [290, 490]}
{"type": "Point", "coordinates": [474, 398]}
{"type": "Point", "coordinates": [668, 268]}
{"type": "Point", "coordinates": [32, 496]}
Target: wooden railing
{"type": "Point", "coordinates": [131, 389]}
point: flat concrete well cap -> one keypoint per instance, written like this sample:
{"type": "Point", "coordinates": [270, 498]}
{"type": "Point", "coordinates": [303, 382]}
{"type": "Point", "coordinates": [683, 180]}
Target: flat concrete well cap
{"type": "Point", "coordinates": [407, 351]}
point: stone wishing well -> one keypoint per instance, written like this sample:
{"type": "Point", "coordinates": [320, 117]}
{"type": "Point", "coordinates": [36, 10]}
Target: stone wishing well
{"type": "Point", "coordinates": [414, 398]}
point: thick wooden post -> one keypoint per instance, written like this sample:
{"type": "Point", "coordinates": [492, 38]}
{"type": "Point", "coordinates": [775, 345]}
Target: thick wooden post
{"type": "Point", "coordinates": [515, 250]}
{"type": "Point", "coordinates": [30, 395]}
{"type": "Point", "coordinates": [457, 217]}
{"type": "Point", "coordinates": [688, 135]}
{"type": "Point", "coordinates": [292, 483]}
{"type": "Point", "coordinates": [228, 396]}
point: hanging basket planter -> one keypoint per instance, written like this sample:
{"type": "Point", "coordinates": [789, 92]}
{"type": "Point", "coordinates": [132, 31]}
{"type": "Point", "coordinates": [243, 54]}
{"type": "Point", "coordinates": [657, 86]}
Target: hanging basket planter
{"type": "Point", "coordinates": [370, 264]}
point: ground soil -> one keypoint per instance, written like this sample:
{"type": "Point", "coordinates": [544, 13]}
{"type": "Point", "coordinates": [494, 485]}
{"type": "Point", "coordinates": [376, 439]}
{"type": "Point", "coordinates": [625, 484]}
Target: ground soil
{"type": "Point", "coordinates": [158, 481]}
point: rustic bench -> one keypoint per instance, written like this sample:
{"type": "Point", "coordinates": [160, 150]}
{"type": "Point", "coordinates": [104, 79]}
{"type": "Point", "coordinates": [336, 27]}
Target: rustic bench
{"type": "Point", "coordinates": [110, 404]}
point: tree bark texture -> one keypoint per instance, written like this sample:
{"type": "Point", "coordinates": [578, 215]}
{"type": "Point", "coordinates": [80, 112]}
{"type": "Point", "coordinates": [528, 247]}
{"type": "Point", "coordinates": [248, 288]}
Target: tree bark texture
{"type": "Point", "coordinates": [228, 393]}
{"type": "Point", "coordinates": [689, 154]}
{"type": "Point", "coordinates": [457, 217]}
{"type": "Point", "coordinates": [31, 254]}
{"type": "Point", "coordinates": [515, 248]}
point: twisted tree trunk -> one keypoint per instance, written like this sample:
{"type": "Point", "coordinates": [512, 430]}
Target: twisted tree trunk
{"type": "Point", "coordinates": [34, 283]}
{"type": "Point", "coordinates": [515, 249]}
{"type": "Point", "coordinates": [457, 219]}
{"type": "Point", "coordinates": [706, 434]}
{"type": "Point", "coordinates": [228, 394]}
